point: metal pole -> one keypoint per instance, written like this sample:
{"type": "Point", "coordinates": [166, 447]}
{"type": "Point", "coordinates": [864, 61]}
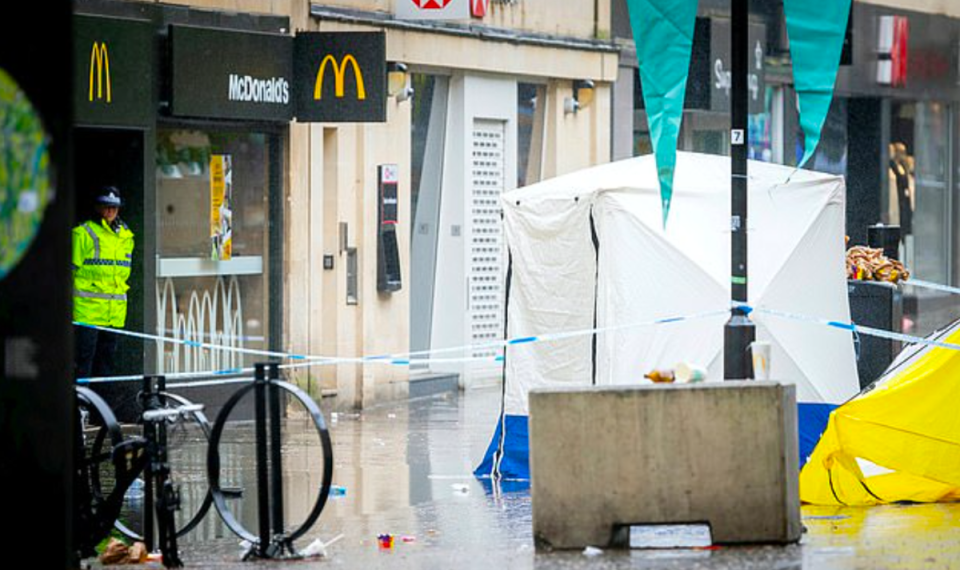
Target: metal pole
{"type": "Point", "coordinates": [149, 402]}
{"type": "Point", "coordinates": [276, 458]}
{"type": "Point", "coordinates": [169, 494]}
{"type": "Point", "coordinates": [263, 478]}
{"type": "Point", "coordinates": [739, 331]}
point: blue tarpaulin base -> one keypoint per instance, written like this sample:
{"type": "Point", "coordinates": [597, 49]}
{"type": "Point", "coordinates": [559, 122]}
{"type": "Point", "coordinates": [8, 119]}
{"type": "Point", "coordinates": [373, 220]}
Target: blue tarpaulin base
{"type": "Point", "coordinates": [511, 446]}
{"type": "Point", "coordinates": [811, 423]}
{"type": "Point", "coordinates": [515, 459]}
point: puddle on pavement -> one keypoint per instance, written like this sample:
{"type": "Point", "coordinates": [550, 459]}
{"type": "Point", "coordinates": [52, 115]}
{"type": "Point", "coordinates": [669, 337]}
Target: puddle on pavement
{"type": "Point", "coordinates": [405, 470]}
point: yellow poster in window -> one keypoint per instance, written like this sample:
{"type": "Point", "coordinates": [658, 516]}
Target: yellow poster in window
{"type": "Point", "coordinates": [221, 204]}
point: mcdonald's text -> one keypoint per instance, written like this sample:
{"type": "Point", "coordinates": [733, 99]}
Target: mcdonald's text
{"type": "Point", "coordinates": [249, 89]}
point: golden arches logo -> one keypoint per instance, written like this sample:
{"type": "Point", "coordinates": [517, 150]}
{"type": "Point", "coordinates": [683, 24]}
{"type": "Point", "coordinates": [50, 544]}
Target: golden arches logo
{"type": "Point", "coordinates": [100, 65]}
{"type": "Point", "coordinates": [339, 69]}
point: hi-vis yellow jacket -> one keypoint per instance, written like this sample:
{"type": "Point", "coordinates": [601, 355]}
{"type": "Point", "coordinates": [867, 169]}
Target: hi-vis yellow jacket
{"type": "Point", "coordinates": [101, 267]}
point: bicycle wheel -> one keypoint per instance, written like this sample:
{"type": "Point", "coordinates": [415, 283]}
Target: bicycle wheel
{"type": "Point", "coordinates": [322, 486]}
{"type": "Point", "coordinates": [186, 468]}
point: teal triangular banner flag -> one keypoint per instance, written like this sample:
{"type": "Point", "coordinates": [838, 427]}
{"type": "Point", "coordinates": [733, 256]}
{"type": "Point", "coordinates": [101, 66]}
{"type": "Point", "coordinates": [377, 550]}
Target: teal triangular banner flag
{"type": "Point", "coordinates": [816, 31]}
{"type": "Point", "coordinates": [663, 33]}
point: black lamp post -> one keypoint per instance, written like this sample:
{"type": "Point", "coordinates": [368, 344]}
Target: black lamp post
{"type": "Point", "coordinates": [739, 331]}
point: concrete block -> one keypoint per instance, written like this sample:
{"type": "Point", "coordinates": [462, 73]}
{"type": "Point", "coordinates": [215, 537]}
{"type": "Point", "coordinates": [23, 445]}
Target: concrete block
{"type": "Point", "coordinates": [725, 453]}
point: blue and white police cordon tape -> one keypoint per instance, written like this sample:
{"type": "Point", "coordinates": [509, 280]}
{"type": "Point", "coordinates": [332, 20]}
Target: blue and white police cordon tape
{"type": "Point", "coordinates": [852, 327]}
{"type": "Point", "coordinates": [410, 358]}
{"type": "Point", "coordinates": [400, 359]}
{"type": "Point", "coordinates": [189, 343]}
{"type": "Point", "coordinates": [934, 286]}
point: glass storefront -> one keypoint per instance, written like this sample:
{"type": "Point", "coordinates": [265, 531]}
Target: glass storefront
{"type": "Point", "coordinates": [213, 246]}
{"type": "Point", "coordinates": [926, 164]}
{"type": "Point", "coordinates": [765, 130]}
{"type": "Point", "coordinates": [705, 132]}
{"type": "Point", "coordinates": [708, 132]}
{"type": "Point", "coordinates": [917, 198]}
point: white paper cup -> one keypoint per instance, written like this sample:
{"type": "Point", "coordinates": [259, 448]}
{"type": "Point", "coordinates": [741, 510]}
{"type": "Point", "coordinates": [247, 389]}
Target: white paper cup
{"type": "Point", "coordinates": [760, 349]}
{"type": "Point", "coordinates": [690, 373]}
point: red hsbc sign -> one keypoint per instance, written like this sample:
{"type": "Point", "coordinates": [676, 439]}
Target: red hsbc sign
{"type": "Point", "coordinates": [431, 4]}
{"type": "Point", "coordinates": [433, 9]}
{"type": "Point", "coordinates": [478, 8]}
{"type": "Point", "coordinates": [893, 38]}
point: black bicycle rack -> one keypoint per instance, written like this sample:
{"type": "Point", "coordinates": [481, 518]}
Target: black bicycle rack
{"type": "Point", "coordinates": [165, 497]}
{"type": "Point", "coordinates": [155, 397]}
{"type": "Point", "coordinates": [272, 540]}
{"type": "Point", "coordinates": [96, 512]}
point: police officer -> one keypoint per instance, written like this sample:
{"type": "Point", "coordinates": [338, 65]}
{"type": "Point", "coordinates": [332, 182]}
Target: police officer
{"type": "Point", "coordinates": [102, 253]}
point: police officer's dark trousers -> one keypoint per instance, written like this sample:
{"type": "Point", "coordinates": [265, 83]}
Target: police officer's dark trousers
{"type": "Point", "coordinates": [95, 352]}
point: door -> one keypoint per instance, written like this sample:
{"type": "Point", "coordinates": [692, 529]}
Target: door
{"type": "Point", "coordinates": [116, 158]}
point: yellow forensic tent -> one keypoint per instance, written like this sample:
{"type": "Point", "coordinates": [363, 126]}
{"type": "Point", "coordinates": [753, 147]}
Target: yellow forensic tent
{"type": "Point", "coordinates": [899, 440]}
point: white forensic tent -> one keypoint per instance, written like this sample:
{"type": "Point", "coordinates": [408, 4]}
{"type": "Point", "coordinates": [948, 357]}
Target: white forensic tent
{"type": "Point", "coordinates": [589, 249]}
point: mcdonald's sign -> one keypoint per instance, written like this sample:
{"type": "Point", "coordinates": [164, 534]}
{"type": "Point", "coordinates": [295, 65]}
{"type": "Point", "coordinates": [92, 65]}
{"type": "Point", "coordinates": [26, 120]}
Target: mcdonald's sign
{"type": "Point", "coordinates": [229, 74]}
{"type": "Point", "coordinates": [113, 72]}
{"type": "Point", "coordinates": [338, 71]}
{"type": "Point", "coordinates": [341, 77]}
{"type": "Point", "coordinates": [100, 69]}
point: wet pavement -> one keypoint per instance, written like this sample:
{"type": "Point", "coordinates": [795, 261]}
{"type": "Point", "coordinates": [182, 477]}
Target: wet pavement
{"type": "Point", "coordinates": [406, 470]}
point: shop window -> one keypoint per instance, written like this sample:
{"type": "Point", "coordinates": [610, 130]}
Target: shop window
{"type": "Point", "coordinates": [212, 246]}
{"type": "Point", "coordinates": [708, 141]}
{"type": "Point", "coordinates": [642, 143]}
{"type": "Point", "coordinates": [761, 129]}
{"type": "Point", "coordinates": [708, 132]}
{"type": "Point", "coordinates": [531, 101]}
{"type": "Point", "coordinates": [917, 196]}
{"type": "Point", "coordinates": [932, 201]}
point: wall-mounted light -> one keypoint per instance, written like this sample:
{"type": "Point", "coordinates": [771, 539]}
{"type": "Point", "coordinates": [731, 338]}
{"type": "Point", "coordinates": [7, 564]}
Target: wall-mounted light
{"type": "Point", "coordinates": [397, 81]}
{"type": "Point", "coordinates": [583, 92]}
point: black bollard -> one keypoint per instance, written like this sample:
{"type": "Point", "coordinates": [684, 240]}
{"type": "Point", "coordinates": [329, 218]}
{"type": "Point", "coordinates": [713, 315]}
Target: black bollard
{"type": "Point", "coordinates": [276, 457]}
{"type": "Point", "coordinates": [149, 401]}
{"type": "Point", "coordinates": [168, 498]}
{"type": "Point", "coordinates": [263, 476]}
